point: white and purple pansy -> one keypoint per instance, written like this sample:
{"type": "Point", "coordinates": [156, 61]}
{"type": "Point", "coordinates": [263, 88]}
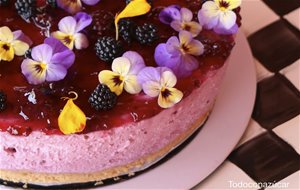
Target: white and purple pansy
{"type": "Point", "coordinates": [219, 16]}
{"type": "Point", "coordinates": [124, 74]}
{"type": "Point", "coordinates": [74, 6]}
{"type": "Point", "coordinates": [180, 19]}
{"type": "Point", "coordinates": [50, 62]}
{"type": "Point", "coordinates": [178, 54]}
{"type": "Point", "coordinates": [70, 30]}
{"type": "Point", "coordinates": [160, 82]}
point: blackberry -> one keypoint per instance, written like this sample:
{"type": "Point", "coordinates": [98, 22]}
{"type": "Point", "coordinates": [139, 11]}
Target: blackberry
{"type": "Point", "coordinates": [27, 54]}
{"type": "Point", "coordinates": [2, 101]}
{"type": "Point", "coordinates": [4, 2]}
{"type": "Point", "coordinates": [26, 8]}
{"type": "Point", "coordinates": [107, 49]}
{"type": "Point", "coordinates": [146, 34]}
{"type": "Point", "coordinates": [102, 98]}
{"type": "Point", "coordinates": [52, 3]}
{"type": "Point", "coordinates": [126, 30]}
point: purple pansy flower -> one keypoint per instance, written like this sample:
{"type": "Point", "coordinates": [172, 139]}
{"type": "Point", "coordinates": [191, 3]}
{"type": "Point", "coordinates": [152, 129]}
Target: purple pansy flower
{"type": "Point", "coordinates": [50, 62]}
{"type": "Point", "coordinates": [70, 30]}
{"type": "Point", "coordinates": [159, 82]}
{"type": "Point", "coordinates": [180, 19]}
{"type": "Point", "coordinates": [219, 16]}
{"type": "Point", "coordinates": [179, 54]}
{"type": "Point", "coordinates": [74, 6]}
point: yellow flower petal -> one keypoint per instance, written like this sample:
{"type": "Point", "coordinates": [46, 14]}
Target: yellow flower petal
{"type": "Point", "coordinates": [6, 51]}
{"type": "Point", "coordinates": [132, 85]}
{"type": "Point", "coordinates": [134, 8]}
{"type": "Point", "coordinates": [195, 47]}
{"type": "Point", "coordinates": [168, 97]}
{"type": "Point", "coordinates": [71, 119]}
{"type": "Point", "coordinates": [20, 47]}
{"type": "Point", "coordinates": [121, 66]}
{"type": "Point", "coordinates": [66, 39]}
{"type": "Point", "coordinates": [152, 88]}
{"type": "Point", "coordinates": [6, 34]}
{"type": "Point", "coordinates": [112, 80]}
{"type": "Point", "coordinates": [185, 37]}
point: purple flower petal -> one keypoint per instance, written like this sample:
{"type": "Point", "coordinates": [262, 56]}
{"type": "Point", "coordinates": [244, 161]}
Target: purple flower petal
{"type": "Point", "coordinates": [29, 70]}
{"type": "Point", "coordinates": [165, 59]}
{"type": "Point", "coordinates": [55, 72]}
{"type": "Point", "coordinates": [65, 58]}
{"type": "Point", "coordinates": [136, 60]}
{"type": "Point", "coordinates": [83, 20]}
{"type": "Point", "coordinates": [42, 53]}
{"type": "Point", "coordinates": [232, 30]}
{"type": "Point", "coordinates": [81, 41]}
{"type": "Point", "coordinates": [57, 46]}
{"type": "Point", "coordinates": [173, 45]}
{"type": "Point", "coordinates": [148, 74]}
{"type": "Point", "coordinates": [207, 22]}
{"type": "Point", "coordinates": [91, 2]}
{"type": "Point", "coordinates": [67, 25]}
{"type": "Point", "coordinates": [190, 63]}
{"type": "Point", "coordinates": [186, 14]}
{"type": "Point", "coordinates": [167, 15]}
{"type": "Point", "coordinates": [19, 35]}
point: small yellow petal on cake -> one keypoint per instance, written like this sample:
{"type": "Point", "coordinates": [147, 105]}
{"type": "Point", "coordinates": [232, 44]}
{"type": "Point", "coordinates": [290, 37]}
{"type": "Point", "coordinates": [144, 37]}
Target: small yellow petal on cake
{"type": "Point", "coordinates": [72, 119]}
{"type": "Point", "coordinates": [134, 8]}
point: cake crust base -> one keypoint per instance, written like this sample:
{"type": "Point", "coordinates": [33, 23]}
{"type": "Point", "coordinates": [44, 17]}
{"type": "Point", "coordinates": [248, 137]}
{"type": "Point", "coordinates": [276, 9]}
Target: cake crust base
{"type": "Point", "coordinates": [138, 165]}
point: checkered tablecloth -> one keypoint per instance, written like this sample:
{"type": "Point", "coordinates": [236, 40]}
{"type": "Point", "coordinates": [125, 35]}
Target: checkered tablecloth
{"type": "Point", "coordinates": [269, 149]}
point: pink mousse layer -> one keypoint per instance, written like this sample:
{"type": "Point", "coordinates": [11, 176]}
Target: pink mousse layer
{"type": "Point", "coordinates": [119, 146]}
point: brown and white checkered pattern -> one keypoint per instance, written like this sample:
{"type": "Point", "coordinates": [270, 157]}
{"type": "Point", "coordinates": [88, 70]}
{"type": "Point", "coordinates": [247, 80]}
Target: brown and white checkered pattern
{"type": "Point", "coordinates": [269, 149]}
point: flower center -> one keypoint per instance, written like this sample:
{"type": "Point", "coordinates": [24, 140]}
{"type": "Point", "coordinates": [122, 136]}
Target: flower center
{"type": "Point", "coordinates": [68, 39]}
{"type": "Point", "coordinates": [165, 92]}
{"type": "Point", "coordinates": [184, 48]}
{"type": "Point", "coordinates": [223, 5]}
{"type": "Point", "coordinates": [6, 47]}
{"type": "Point", "coordinates": [118, 80]}
{"type": "Point", "coordinates": [40, 68]}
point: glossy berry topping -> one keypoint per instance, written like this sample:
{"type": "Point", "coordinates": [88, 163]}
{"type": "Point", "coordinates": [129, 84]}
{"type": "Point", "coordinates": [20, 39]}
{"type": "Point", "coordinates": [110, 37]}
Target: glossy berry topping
{"type": "Point", "coordinates": [2, 101]}
{"type": "Point", "coordinates": [102, 98]}
{"type": "Point", "coordinates": [17, 130]}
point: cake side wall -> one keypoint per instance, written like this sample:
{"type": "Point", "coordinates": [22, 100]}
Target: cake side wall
{"type": "Point", "coordinates": [100, 150]}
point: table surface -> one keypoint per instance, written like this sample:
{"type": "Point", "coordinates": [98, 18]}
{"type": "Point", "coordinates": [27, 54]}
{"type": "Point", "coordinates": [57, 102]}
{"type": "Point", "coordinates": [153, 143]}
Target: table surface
{"type": "Point", "coordinates": [268, 152]}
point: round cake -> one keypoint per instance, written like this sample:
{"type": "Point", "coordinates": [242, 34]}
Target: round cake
{"type": "Point", "coordinates": [91, 90]}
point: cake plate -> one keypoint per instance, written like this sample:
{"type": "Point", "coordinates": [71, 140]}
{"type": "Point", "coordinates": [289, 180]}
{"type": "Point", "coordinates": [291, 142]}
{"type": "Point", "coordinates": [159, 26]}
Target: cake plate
{"type": "Point", "coordinates": [217, 138]}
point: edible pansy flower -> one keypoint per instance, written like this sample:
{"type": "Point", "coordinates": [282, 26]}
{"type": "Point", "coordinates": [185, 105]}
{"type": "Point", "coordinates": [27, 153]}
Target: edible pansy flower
{"type": "Point", "coordinates": [159, 82]}
{"type": "Point", "coordinates": [179, 54]}
{"type": "Point", "coordinates": [50, 62]}
{"type": "Point", "coordinates": [124, 74]}
{"type": "Point", "coordinates": [74, 6]}
{"type": "Point", "coordinates": [70, 28]}
{"type": "Point", "coordinates": [180, 19]}
{"type": "Point", "coordinates": [12, 43]}
{"type": "Point", "coordinates": [219, 15]}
